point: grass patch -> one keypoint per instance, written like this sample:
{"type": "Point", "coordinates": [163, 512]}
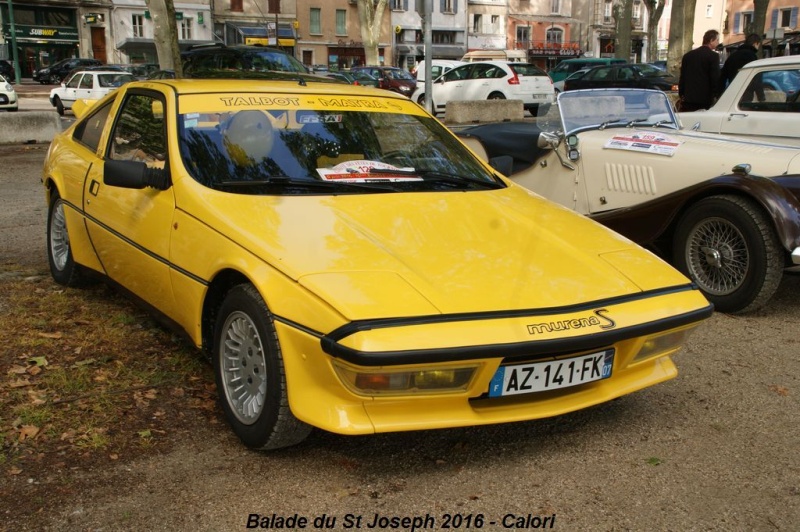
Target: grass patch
{"type": "Point", "coordinates": [81, 368]}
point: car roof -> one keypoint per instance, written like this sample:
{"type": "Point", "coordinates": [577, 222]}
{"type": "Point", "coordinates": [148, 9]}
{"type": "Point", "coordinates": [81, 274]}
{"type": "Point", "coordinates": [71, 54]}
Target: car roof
{"type": "Point", "coordinates": [115, 72]}
{"type": "Point", "coordinates": [774, 61]}
{"type": "Point", "coordinates": [255, 85]}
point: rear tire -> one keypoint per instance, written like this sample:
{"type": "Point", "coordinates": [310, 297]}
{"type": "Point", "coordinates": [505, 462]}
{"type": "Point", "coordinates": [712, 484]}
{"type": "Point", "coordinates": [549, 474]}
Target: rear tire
{"type": "Point", "coordinates": [496, 96]}
{"type": "Point", "coordinates": [59, 252]}
{"type": "Point", "coordinates": [250, 375]}
{"type": "Point", "coordinates": [727, 245]}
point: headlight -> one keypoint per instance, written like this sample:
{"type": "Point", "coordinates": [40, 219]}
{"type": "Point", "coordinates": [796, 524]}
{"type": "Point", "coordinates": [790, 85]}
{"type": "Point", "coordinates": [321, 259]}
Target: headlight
{"type": "Point", "coordinates": [405, 89]}
{"type": "Point", "coordinates": [663, 344]}
{"type": "Point", "coordinates": [364, 381]}
{"type": "Point", "coordinates": [8, 87]}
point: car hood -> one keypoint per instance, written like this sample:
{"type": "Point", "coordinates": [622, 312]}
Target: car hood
{"type": "Point", "coordinates": [402, 254]}
{"type": "Point", "coordinates": [707, 154]}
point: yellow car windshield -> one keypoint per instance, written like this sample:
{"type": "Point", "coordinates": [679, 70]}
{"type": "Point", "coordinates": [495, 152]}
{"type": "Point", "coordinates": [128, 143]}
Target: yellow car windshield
{"type": "Point", "coordinates": [232, 150]}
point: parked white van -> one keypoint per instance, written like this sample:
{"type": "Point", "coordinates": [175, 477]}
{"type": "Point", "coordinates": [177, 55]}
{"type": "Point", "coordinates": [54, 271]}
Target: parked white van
{"type": "Point", "coordinates": [517, 56]}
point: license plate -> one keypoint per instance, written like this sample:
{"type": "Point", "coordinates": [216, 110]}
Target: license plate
{"type": "Point", "coordinates": [545, 376]}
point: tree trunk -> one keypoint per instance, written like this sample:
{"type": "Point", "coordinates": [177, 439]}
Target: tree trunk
{"type": "Point", "coordinates": [370, 16]}
{"type": "Point", "coordinates": [623, 19]}
{"type": "Point", "coordinates": [680, 33]}
{"type": "Point", "coordinates": [165, 35]}
{"type": "Point", "coordinates": [655, 8]}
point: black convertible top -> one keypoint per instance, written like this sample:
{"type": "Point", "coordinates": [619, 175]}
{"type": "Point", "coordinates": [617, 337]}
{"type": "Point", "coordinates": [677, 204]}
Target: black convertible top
{"type": "Point", "coordinates": [517, 139]}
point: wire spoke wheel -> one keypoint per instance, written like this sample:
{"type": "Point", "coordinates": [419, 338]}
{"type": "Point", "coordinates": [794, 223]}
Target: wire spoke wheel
{"type": "Point", "coordinates": [718, 257]}
{"type": "Point", "coordinates": [728, 246]}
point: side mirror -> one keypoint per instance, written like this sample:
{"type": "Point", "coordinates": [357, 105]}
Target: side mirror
{"type": "Point", "coordinates": [134, 174]}
{"type": "Point", "coordinates": [548, 140]}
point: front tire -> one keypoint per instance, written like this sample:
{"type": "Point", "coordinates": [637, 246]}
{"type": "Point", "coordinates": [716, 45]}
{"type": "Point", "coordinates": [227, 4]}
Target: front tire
{"type": "Point", "coordinates": [250, 376]}
{"type": "Point", "coordinates": [59, 105]}
{"type": "Point", "coordinates": [59, 252]}
{"type": "Point", "coordinates": [726, 244]}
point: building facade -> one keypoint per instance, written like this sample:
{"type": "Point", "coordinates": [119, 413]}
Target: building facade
{"type": "Point", "coordinates": [118, 31]}
{"type": "Point", "coordinates": [326, 33]}
{"type": "Point", "coordinates": [329, 34]}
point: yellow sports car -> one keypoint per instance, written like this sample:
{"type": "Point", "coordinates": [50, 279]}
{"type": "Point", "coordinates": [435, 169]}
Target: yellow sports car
{"type": "Point", "coordinates": [348, 264]}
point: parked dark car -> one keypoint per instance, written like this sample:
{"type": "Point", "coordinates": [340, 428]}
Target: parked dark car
{"type": "Point", "coordinates": [57, 72]}
{"type": "Point", "coordinates": [218, 57]}
{"type": "Point", "coordinates": [7, 70]}
{"type": "Point", "coordinates": [162, 74]}
{"type": "Point", "coordinates": [632, 76]}
{"type": "Point", "coordinates": [391, 78]}
{"type": "Point", "coordinates": [139, 70]}
{"type": "Point", "coordinates": [355, 78]}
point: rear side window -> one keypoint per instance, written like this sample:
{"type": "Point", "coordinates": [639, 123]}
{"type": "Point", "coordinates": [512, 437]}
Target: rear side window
{"type": "Point", "coordinates": [526, 69]}
{"type": "Point", "coordinates": [599, 74]}
{"type": "Point", "coordinates": [88, 131]}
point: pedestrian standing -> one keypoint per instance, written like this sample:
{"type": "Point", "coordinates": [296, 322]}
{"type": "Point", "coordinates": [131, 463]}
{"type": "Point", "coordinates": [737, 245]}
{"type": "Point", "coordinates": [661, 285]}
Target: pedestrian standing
{"type": "Point", "coordinates": [744, 54]}
{"type": "Point", "coordinates": [699, 84]}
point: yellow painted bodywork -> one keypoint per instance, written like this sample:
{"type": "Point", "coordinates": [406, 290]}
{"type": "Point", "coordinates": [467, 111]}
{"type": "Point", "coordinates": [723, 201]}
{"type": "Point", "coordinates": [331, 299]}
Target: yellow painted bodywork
{"type": "Point", "coordinates": [321, 262]}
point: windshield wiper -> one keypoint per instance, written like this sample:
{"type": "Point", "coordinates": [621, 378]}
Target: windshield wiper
{"type": "Point", "coordinates": [607, 123]}
{"type": "Point", "coordinates": [660, 123]}
{"type": "Point", "coordinates": [635, 121]}
{"type": "Point", "coordinates": [439, 177]}
{"type": "Point", "coordinates": [307, 183]}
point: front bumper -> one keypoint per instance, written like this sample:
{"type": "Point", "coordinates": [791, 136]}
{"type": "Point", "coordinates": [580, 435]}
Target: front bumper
{"type": "Point", "coordinates": [318, 396]}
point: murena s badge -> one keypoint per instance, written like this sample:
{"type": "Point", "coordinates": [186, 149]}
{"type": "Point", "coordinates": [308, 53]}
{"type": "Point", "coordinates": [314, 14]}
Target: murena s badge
{"type": "Point", "coordinates": [597, 319]}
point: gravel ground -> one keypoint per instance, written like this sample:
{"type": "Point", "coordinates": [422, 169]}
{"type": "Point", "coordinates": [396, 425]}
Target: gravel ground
{"type": "Point", "coordinates": [714, 449]}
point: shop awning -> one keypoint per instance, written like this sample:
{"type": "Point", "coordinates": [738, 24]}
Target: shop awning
{"type": "Point", "coordinates": [138, 43]}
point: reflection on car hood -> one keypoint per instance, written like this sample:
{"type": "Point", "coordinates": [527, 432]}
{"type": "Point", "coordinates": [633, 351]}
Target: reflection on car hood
{"type": "Point", "coordinates": [380, 255]}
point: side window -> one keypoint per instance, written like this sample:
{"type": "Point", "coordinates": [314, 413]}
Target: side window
{"type": "Point", "coordinates": [88, 131]}
{"type": "Point", "coordinates": [203, 62]}
{"type": "Point", "coordinates": [74, 81]}
{"type": "Point", "coordinates": [480, 71]}
{"type": "Point", "coordinates": [230, 62]}
{"type": "Point", "coordinates": [624, 74]}
{"type": "Point", "coordinates": [456, 74]}
{"type": "Point", "coordinates": [754, 97]}
{"type": "Point", "coordinates": [140, 131]}
{"type": "Point", "coordinates": [86, 81]}
{"type": "Point", "coordinates": [600, 74]}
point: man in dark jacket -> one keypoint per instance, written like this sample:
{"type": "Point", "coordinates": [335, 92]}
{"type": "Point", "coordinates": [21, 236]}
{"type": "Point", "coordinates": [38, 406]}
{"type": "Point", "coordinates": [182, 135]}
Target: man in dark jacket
{"type": "Point", "coordinates": [743, 55]}
{"type": "Point", "coordinates": [699, 84]}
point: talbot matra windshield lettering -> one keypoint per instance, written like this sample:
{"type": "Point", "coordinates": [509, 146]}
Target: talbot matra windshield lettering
{"type": "Point", "coordinates": [238, 101]}
{"type": "Point", "coordinates": [598, 320]}
{"type": "Point", "coordinates": [351, 102]}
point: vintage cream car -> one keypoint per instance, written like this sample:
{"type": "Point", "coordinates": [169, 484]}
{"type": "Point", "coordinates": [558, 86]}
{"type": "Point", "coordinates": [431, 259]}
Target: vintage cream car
{"type": "Point", "coordinates": [724, 210]}
{"type": "Point", "coordinates": [761, 101]}
{"type": "Point", "coordinates": [347, 264]}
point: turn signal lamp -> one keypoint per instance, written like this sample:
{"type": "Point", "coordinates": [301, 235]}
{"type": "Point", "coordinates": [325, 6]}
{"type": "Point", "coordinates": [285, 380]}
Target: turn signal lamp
{"type": "Point", "coordinates": [664, 344]}
{"type": "Point", "coordinates": [405, 382]}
